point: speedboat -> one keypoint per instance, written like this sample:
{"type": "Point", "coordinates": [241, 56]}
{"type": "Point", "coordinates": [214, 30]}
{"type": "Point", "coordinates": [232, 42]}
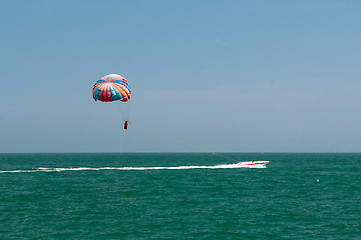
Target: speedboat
{"type": "Point", "coordinates": [253, 164]}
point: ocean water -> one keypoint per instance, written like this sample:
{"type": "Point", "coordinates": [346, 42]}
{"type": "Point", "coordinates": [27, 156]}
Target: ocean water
{"type": "Point", "coordinates": [122, 196]}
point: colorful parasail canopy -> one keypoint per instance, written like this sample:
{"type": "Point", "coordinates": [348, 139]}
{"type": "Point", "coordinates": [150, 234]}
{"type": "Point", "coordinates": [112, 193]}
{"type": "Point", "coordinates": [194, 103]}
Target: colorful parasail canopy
{"type": "Point", "coordinates": [111, 88]}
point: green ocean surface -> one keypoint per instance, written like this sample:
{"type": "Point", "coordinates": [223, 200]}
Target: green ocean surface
{"type": "Point", "coordinates": [99, 196]}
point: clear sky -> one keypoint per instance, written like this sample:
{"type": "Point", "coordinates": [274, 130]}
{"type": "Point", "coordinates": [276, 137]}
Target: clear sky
{"type": "Point", "coordinates": [227, 76]}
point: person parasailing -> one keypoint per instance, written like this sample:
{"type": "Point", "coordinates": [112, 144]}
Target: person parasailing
{"type": "Point", "coordinates": [126, 123]}
{"type": "Point", "coordinates": [112, 88]}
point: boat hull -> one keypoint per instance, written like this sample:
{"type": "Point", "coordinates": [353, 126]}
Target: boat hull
{"type": "Point", "coordinates": [253, 164]}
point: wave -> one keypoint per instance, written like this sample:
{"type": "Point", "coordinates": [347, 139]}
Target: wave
{"type": "Point", "coordinates": [236, 165]}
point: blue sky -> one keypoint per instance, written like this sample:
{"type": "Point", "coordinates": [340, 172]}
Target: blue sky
{"type": "Point", "coordinates": [227, 76]}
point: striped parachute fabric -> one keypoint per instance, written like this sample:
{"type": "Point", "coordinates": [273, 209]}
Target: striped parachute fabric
{"type": "Point", "coordinates": [111, 88]}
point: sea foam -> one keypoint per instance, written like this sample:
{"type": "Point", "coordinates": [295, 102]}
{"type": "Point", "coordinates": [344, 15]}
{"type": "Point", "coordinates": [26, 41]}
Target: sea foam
{"type": "Point", "coordinates": [43, 169]}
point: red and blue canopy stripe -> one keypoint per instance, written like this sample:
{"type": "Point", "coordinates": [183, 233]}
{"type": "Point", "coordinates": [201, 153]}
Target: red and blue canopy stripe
{"type": "Point", "coordinates": [111, 88]}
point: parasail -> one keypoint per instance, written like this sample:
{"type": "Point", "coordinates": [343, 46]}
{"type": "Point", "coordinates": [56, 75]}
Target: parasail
{"type": "Point", "coordinates": [111, 87]}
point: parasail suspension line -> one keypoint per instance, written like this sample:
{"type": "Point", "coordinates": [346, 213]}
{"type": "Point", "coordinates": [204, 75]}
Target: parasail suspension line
{"type": "Point", "coordinates": [183, 142]}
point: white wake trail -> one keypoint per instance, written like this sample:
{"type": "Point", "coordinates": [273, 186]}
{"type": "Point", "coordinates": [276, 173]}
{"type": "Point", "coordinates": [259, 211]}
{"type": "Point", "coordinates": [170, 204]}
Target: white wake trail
{"type": "Point", "coordinates": [236, 165]}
